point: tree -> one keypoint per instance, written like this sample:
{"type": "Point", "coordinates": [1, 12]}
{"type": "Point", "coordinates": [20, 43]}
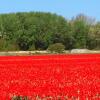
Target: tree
{"type": "Point", "coordinates": [38, 30]}
{"type": "Point", "coordinates": [80, 30]}
{"type": "Point", "coordinates": [94, 35]}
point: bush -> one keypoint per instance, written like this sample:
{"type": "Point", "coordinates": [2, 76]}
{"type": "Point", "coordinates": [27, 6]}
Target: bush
{"type": "Point", "coordinates": [32, 48]}
{"type": "Point", "coordinates": [6, 45]}
{"type": "Point", "coordinates": [56, 48]}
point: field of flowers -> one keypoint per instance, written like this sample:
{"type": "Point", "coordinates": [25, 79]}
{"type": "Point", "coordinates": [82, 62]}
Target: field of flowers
{"type": "Point", "coordinates": [50, 77]}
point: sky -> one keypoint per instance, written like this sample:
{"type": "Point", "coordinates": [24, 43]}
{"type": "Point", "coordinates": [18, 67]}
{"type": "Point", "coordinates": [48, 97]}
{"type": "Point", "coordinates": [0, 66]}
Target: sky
{"type": "Point", "coordinates": [66, 8]}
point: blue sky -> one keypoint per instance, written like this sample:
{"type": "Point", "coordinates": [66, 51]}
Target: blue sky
{"type": "Point", "coordinates": [66, 8]}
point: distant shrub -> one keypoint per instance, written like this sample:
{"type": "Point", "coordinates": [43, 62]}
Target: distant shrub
{"type": "Point", "coordinates": [56, 48]}
{"type": "Point", "coordinates": [32, 48]}
{"type": "Point", "coordinates": [8, 45]}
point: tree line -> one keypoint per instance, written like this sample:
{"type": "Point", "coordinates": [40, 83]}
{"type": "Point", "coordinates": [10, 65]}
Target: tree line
{"type": "Point", "coordinates": [38, 30]}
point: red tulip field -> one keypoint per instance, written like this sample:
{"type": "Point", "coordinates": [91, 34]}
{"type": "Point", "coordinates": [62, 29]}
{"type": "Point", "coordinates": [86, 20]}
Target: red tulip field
{"type": "Point", "coordinates": [50, 77]}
